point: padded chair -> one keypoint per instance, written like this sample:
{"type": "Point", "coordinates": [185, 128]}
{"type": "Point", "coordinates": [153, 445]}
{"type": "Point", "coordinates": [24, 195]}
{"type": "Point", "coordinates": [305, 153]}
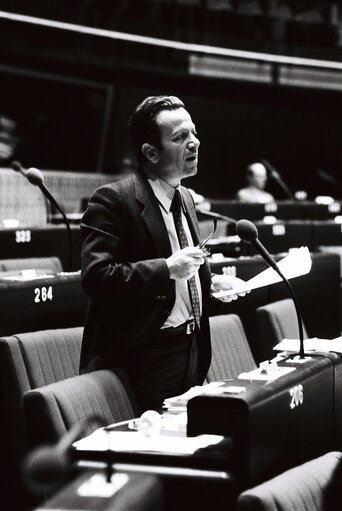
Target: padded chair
{"type": "Point", "coordinates": [53, 409]}
{"type": "Point", "coordinates": [231, 353]}
{"type": "Point", "coordinates": [27, 361]}
{"type": "Point", "coordinates": [314, 486]}
{"type": "Point", "coordinates": [50, 265]}
{"type": "Point", "coordinates": [276, 321]}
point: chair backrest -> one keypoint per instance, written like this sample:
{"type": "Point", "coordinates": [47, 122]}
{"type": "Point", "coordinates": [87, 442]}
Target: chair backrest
{"type": "Point", "coordinates": [308, 486]}
{"type": "Point", "coordinates": [53, 409]}
{"type": "Point", "coordinates": [231, 353]}
{"type": "Point", "coordinates": [27, 361]}
{"type": "Point", "coordinates": [40, 264]}
{"type": "Point", "coordinates": [276, 321]}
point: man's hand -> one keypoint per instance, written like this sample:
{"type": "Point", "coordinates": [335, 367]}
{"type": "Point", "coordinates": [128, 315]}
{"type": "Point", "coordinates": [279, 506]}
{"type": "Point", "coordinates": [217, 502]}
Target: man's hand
{"type": "Point", "coordinates": [184, 263]}
{"type": "Point", "coordinates": [225, 282]}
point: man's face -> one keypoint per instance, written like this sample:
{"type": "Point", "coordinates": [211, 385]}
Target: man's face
{"type": "Point", "coordinates": [258, 177]}
{"type": "Point", "coordinates": [178, 155]}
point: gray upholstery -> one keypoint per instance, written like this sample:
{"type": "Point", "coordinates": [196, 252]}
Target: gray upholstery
{"type": "Point", "coordinates": [303, 488]}
{"type": "Point", "coordinates": [52, 410]}
{"type": "Point", "coordinates": [276, 321]}
{"type": "Point", "coordinates": [231, 354]}
{"type": "Point", "coordinates": [29, 360]}
{"type": "Point", "coordinates": [51, 355]}
{"type": "Point", "coordinates": [41, 264]}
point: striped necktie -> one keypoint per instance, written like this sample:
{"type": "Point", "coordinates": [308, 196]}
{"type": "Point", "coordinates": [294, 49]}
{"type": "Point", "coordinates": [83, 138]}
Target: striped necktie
{"type": "Point", "coordinates": [176, 208]}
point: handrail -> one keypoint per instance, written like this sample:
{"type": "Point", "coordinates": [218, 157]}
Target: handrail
{"type": "Point", "coordinates": [174, 45]}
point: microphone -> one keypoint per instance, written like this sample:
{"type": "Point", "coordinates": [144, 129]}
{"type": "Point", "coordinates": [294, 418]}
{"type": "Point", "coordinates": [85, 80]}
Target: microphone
{"type": "Point", "coordinates": [35, 177]}
{"type": "Point", "coordinates": [217, 216]}
{"type": "Point", "coordinates": [46, 466]}
{"type": "Point", "coordinates": [274, 174]}
{"type": "Point", "coordinates": [248, 233]}
{"type": "Point", "coordinates": [327, 177]}
{"type": "Point", "coordinates": [16, 165]}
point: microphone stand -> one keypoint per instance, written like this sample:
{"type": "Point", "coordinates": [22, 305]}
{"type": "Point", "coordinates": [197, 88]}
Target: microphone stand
{"type": "Point", "coordinates": [48, 195]}
{"type": "Point", "coordinates": [35, 177]}
{"type": "Point", "coordinates": [274, 174]}
{"type": "Point", "coordinates": [248, 233]}
{"type": "Point", "coordinates": [269, 259]}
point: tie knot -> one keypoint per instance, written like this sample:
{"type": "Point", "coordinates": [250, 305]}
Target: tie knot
{"type": "Point", "coordinates": [176, 205]}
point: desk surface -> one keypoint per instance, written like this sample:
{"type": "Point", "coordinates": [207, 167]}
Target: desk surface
{"type": "Point", "coordinates": [113, 444]}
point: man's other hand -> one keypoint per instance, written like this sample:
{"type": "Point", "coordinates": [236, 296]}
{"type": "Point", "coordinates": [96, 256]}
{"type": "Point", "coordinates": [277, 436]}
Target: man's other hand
{"type": "Point", "coordinates": [224, 283]}
{"type": "Point", "coordinates": [184, 263]}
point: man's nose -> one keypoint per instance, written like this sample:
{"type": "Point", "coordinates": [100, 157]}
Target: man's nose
{"type": "Point", "coordinates": [194, 143]}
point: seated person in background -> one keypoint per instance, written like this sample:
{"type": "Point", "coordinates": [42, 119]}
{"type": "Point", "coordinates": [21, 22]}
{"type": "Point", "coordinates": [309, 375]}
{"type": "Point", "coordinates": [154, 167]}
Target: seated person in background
{"type": "Point", "coordinates": [256, 177]}
{"type": "Point", "coordinates": [148, 282]}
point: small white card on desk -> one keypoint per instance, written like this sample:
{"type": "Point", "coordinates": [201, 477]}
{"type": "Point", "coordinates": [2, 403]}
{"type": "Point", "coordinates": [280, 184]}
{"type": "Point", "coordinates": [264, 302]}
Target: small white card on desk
{"type": "Point", "coordinates": [263, 374]}
{"type": "Point", "coordinates": [97, 485]}
{"type": "Point", "coordinates": [183, 399]}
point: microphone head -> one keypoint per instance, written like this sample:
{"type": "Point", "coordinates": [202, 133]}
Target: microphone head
{"type": "Point", "coordinates": [246, 231]}
{"type": "Point", "coordinates": [35, 176]}
{"type": "Point", "coordinates": [16, 165]}
{"type": "Point", "coordinates": [44, 468]}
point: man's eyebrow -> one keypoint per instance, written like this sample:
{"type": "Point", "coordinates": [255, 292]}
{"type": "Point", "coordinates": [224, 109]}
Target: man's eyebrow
{"type": "Point", "coordinates": [180, 130]}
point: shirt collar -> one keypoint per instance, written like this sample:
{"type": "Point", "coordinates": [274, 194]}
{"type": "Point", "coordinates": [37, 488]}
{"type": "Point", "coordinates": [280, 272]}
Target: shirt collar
{"type": "Point", "coordinates": [162, 190]}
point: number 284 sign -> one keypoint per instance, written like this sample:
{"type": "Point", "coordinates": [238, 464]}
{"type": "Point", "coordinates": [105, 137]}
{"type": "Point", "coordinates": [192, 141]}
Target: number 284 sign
{"type": "Point", "coordinates": [43, 294]}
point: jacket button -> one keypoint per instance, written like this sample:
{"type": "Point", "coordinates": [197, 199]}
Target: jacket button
{"type": "Point", "coordinates": [160, 298]}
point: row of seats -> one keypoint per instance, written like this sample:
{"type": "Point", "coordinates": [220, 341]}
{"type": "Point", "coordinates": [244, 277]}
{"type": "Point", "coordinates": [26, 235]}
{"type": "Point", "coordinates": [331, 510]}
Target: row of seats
{"type": "Point", "coordinates": [43, 395]}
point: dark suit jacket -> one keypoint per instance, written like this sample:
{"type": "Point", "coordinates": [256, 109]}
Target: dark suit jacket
{"type": "Point", "coordinates": [124, 272]}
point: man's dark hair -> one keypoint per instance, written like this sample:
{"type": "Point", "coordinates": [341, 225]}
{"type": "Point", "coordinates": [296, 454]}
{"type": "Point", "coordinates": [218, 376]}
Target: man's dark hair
{"type": "Point", "coordinates": [143, 124]}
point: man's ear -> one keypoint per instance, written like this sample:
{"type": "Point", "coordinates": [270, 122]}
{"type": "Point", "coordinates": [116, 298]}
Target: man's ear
{"type": "Point", "coordinates": [150, 153]}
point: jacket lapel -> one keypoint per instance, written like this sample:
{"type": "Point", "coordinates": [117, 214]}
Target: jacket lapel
{"type": "Point", "coordinates": [152, 216]}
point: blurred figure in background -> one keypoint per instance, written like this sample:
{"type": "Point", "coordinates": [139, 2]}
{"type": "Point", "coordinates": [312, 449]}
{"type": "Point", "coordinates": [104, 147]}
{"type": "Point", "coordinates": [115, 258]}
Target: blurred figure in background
{"type": "Point", "coordinates": [8, 140]}
{"type": "Point", "coordinates": [256, 178]}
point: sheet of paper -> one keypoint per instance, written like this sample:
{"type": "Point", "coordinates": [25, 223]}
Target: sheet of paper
{"type": "Point", "coordinates": [297, 263]}
{"type": "Point", "coordinates": [102, 440]}
{"type": "Point", "coordinates": [313, 344]}
{"type": "Point", "coordinates": [182, 399]}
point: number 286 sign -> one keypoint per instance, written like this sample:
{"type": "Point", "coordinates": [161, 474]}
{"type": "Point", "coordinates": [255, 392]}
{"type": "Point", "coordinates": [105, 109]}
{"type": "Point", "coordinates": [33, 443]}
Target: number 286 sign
{"type": "Point", "coordinates": [297, 396]}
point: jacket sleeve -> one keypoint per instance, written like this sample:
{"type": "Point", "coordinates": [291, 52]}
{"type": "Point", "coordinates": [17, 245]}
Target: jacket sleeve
{"type": "Point", "coordinates": [107, 228]}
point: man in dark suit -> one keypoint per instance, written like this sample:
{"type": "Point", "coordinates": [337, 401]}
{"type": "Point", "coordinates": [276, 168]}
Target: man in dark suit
{"type": "Point", "coordinates": [148, 282]}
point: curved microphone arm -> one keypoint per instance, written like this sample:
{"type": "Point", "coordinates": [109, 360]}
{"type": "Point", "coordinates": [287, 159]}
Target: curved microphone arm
{"type": "Point", "coordinates": [274, 174]}
{"type": "Point", "coordinates": [248, 233]}
{"type": "Point", "coordinates": [263, 252]}
{"type": "Point", "coordinates": [35, 177]}
{"type": "Point", "coordinates": [48, 195]}
{"type": "Point", "coordinates": [46, 465]}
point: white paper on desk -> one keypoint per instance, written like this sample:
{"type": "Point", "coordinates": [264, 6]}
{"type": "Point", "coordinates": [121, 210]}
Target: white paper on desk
{"type": "Point", "coordinates": [313, 344]}
{"type": "Point", "coordinates": [102, 440]}
{"type": "Point", "coordinates": [297, 263]}
{"type": "Point", "coordinates": [183, 399]}
{"type": "Point", "coordinates": [259, 374]}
